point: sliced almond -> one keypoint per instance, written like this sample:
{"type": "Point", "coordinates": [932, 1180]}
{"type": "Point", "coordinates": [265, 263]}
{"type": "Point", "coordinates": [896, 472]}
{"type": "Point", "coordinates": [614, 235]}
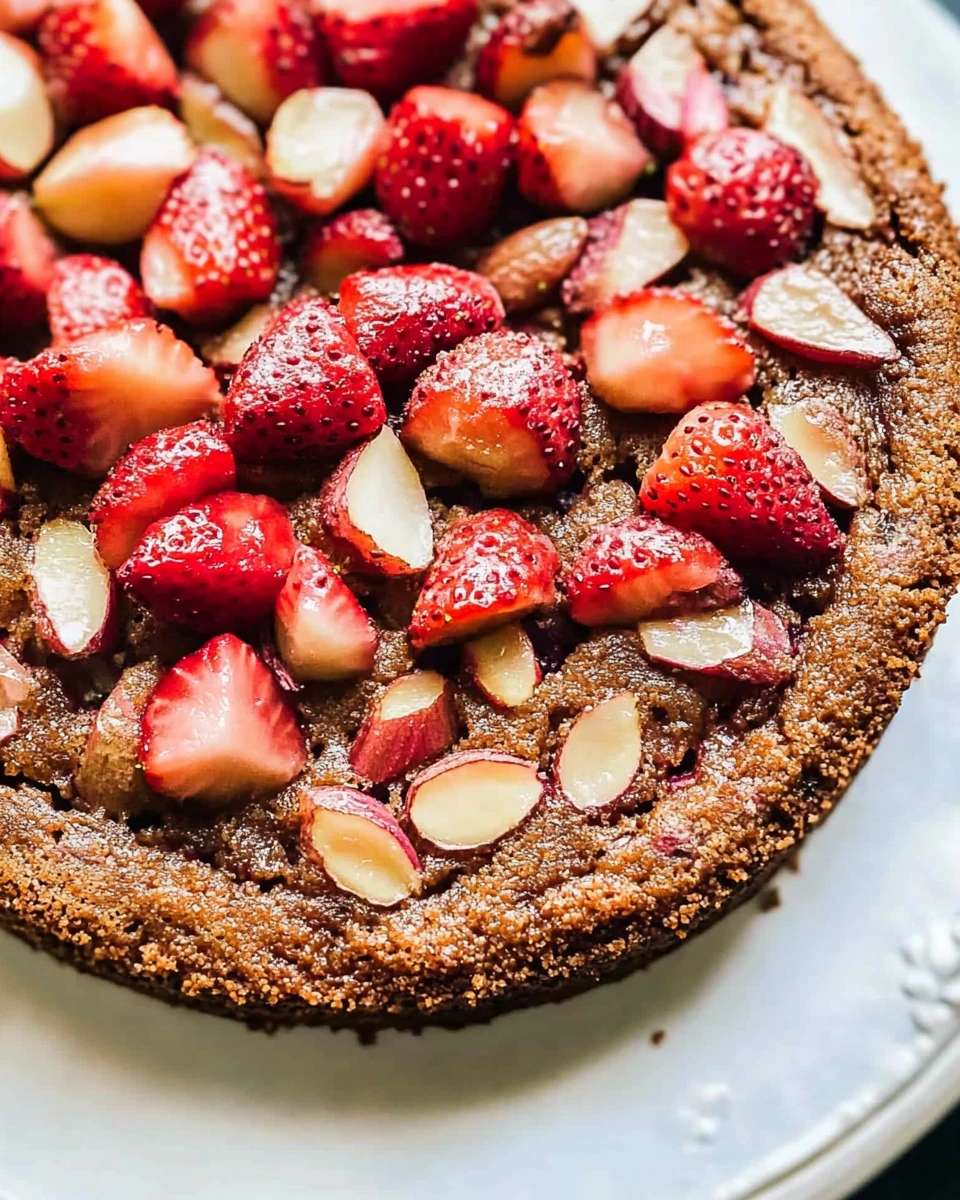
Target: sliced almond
{"type": "Point", "coordinates": [412, 721]}
{"type": "Point", "coordinates": [504, 665]}
{"type": "Point", "coordinates": [823, 439]}
{"type": "Point", "coordinates": [74, 591]}
{"type": "Point", "coordinates": [601, 755]}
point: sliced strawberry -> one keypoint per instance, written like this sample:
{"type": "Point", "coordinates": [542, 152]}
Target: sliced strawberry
{"type": "Point", "coordinates": [705, 108]}
{"type": "Point", "coordinates": [535, 42]}
{"type": "Point", "coordinates": [155, 478]}
{"type": "Point", "coordinates": [639, 567]}
{"type": "Point", "coordinates": [217, 728]}
{"type": "Point", "coordinates": [577, 151]}
{"type": "Point", "coordinates": [27, 256]}
{"type": "Point", "coordinates": [212, 249]}
{"type": "Point", "coordinates": [88, 293]}
{"type": "Point", "coordinates": [215, 565]}
{"type": "Point", "coordinates": [745, 200]}
{"type": "Point", "coordinates": [493, 567]}
{"type": "Point", "coordinates": [652, 86]}
{"type": "Point", "coordinates": [102, 57]}
{"type": "Point", "coordinates": [26, 116]}
{"type": "Point", "coordinates": [302, 387]}
{"type": "Point", "coordinates": [726, 473]}
{"type": "Point", "coordinates": [661, 350]}
{"type": "Point", "coordinates": [502, 408]}
{"type": "Point", "coordinates": [387, 46]}
{"type": "Point", "coordinates": [81, 406]}
{"type": "Point", "coordinates": [257, 52]}
{"type": "Point", "coordinates": [403, 317]}
{"type": "Point", "coordinates": [213, 121]}
{"type": "Point", "coordinates": [322, 632]}
{"type": "Point", "coordinates": [361, 240]}
{"type": "Point", "coordinates": [444, 164]}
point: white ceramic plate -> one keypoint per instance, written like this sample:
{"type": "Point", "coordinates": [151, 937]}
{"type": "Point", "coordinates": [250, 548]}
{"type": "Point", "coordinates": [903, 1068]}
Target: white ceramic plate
{"type": "Point", "coordinates": [804, 1047]}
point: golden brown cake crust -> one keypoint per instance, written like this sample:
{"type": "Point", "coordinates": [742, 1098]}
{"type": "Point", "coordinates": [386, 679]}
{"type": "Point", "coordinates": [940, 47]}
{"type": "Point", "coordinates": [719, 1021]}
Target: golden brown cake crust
{"type": "Point", "coordinates": [565, 904]}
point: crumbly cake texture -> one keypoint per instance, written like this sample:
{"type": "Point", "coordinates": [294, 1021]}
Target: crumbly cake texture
{"type": "Point", "coordinates": [225, 915]}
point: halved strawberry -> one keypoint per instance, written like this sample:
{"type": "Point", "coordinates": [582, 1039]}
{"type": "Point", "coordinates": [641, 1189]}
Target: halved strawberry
{"type": "Point", "coordinates": [27, 256]}
{"type": "Point", "coordinates": [444, 164]}
{"type": "Point", "coordinates": [212, 248]}
{"type": "Point", "coordinates": [502, 408]}
{"type": "Point", "coordinates": [257, 52]}
{"type": "Point", "coordinates": [639, 567]}
{"type": "Point", "coordinates": [155, 478]}
{"type": "Point", "coordinates": [387, 46]}
{"type": "Point", "coordinates": [322, 632]}
{"type": "Point", "coordinates": [217, 728]}
{"type": "Point", "coordinates": [745, 200]}
{"type": "Point", "coordinates": [102, 57]}
{"type": "Point", "coordinates": [81, 406]}
{"type": "Point", "coordinates": [403, 317]}
{"type": "Point", "coordinates": [661, 350]}
{"type": "Point", "coordinates": [577, 151]}
{"type": "Point", "coordinates": [26, 116]}
{"type": "Point", "coordinates": [492, 568]}
{"type": "Point", "coordinates": [218, 564]}
{"type": "Point", "coordinates": [87, 293]}
{"type": "Point", "coordinates": [361, 240]}
{"type": "Point", "coordinates": [726, 473]}
{"type": "Point", "coordinates": [303, 387]}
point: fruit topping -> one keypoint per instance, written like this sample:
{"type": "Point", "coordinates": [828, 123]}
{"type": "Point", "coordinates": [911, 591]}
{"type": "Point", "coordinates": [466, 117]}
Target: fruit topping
{"type": "Point", "coordinates": [303, 387]}
{"type": "Point", "coordinates": [601, 755]}
{"type": "Point", "coordinates": [804, 311]}
{"type": "Point", "coordinates": [374, 503]}
{"type": "Point", "coordinates": [527, 267]}
{"type": "Point", "coordinates": [492, 568]}
{"type": "Point", "coordinates": [726, 473]}
{"type": "Point", "coordinates": [20, 16]}
{"type": "Point", "coordinates": [501, 408]}
{"type": "Point", "coordinates": [652, 87]}
{"type": "Point", "coordinates": [444, 164]}
{"type": "Point", "coordinates": [663, 351]}
{"type": "Point", "coordinates": [88, 293]}
{"type": "Point", "coordinates": [8, 485]}
{"type": "Point", "coordinates": [27, 256]}
{"type": "Point", "coordinates": [744, 200]}
{"type": "Point", "coordinates": [821, 436]}
{"type": "Point", "coordinates": [73, 591]}
{"type": "Point", "coordinates": [215, 565]}
{"type": "Point", "coordinates": [361, 240]}
{"type": "Point", "coordinates": [412, 720]}
{"type": "Point", "coordinates": [472, 799]}
{"type": "Point", "coordinates": [704, 108]}
{"type": "Point", "coordinates": [155, 478]}
{"type": "Point", "coordinates": [82, 405]}
{"type": "Point", "coordinates": [217, 728]}
{"type": "Point", "coordinates": [26, 118]}
{"type": "Point", "coordinates": [403, 317]}
{"type": "Point", "coordinates": [359, 844]}
{"type": "Point", "coordinates": [322, 632]}
{"type": "Point", "coordinates": [503, 665]}
{"type": "Point", "coordinates": [15, 682]}
{"type": "Point", "coordinates": [577, 151]}
{"type": "Point", "coordinates": [224, 351]}
{"type": "Point", "coordinates": [213, 121]}
{"type": "Point", "coordinates": [608, 20]}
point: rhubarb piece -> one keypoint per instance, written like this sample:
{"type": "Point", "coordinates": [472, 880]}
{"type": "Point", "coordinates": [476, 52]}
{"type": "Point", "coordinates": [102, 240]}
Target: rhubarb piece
{"type": "Point", "coordinates": [224, 351]}
{"type": "Point", "coordinates": [661, 350]}
{"type": "Point", "coordinates": [527, 267]}
{"type": "Point", "coordinates": [413, 720]}
{"type": "Point", "coordinates": [8, 485]}
{"type": "Point", "coordinates": [747, 643]}
{"type": "Point", "coordinates": [73, 591]}
{"type": "Point", "coordinates": [503, 665]}
{"type": "Point", "coordinates": [704, 109]}
{"type": "Point", "coordinates": [375, 503]}
{"type": "Point", "coordinates": [823, 439]}
{"type": "Point", "coordinates": [359, 844]}
{"type": "Point", "coordinates": [217, 729]}
{"type": "Point", "coordinates": [88, 293]}
{"type": "Point", "coordinates": [470, 800]}
{"type": "Point", "coordinates": [106, 184]}
{"type": "Point", "coordinates": [27, 256]}
{"type": "Point", "coordinates": [214, 122]}
{"type": "Point", "coordinates": [652, 87]}
{"type": "Point", "coordinates": [361, 240]}
{"type": "Point", "coordinates": [601, 755]}
{"type": "Point", "coordinates": [628, 249]}
{"type": "Point", "coordinates": [26, 118]}
{"type": "Point", "coordinates": [322, 632]}
{"type": "Point", "coordinates": [15, 682]}
{"type": "Point", "coordinates": [804, 311]}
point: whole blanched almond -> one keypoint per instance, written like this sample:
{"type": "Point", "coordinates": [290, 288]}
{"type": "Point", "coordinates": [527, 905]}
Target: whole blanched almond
{"type": "Point", "coordinates": [528, 266]}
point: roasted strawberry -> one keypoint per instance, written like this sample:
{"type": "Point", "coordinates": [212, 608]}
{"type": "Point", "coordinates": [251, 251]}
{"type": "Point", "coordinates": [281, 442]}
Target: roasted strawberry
{"type": "Point", "coordinates": [27, 125]}
{"type": "Point", "coordinates": [156, 478]}
{"type": "Point", "coordinates": [88, 293]}
{"type": "Point", "coordinates": [502, 408]}
{"type": "Point", "coordinates": [492, 568]}
{"type": "Point", "coordinates": [361, 240]}
{"type": "Point", "coordinates": [302, 387]}
{"type": "Point", "coordinates": [102, 57]}
{"type": "Point", "coordinates": [444, 164]}
{"type": "Point", "coordinates": [82, 405]}
{"type": "Point", "coordinates": [726, 473]}
{"type": "Point", "coordinates": [27, 256]}
{"type": "Point", "coordinates": [639, 567]}
{"type": "Point", "coordinates": [661, 350]}
{"type": "Point", "coordinates": [218, 564]}
{"type": "Point", "coordinates": [217, 728]}
{"type": "Point", "coordinates": [213, 121]}
{"type": "Point", "coordinates": [212, 249]}
{"type": "Point", "coordinates": [403, 317]}
{"type": "Point", "coordinates": [386, 46]}
{"type": "Point", "coordinates": [744, 200]}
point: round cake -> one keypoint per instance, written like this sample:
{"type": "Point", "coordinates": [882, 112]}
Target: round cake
{"type": "Point", "coordinates": [477, 481]}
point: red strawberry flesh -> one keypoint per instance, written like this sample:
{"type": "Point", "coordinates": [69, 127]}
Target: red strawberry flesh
{"type": "Point", "coordinates": [27, 257]}
{"type": "Point", "coordinates": [361, 240]}
{"type": "Point", "coordinates": [89, 292]}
